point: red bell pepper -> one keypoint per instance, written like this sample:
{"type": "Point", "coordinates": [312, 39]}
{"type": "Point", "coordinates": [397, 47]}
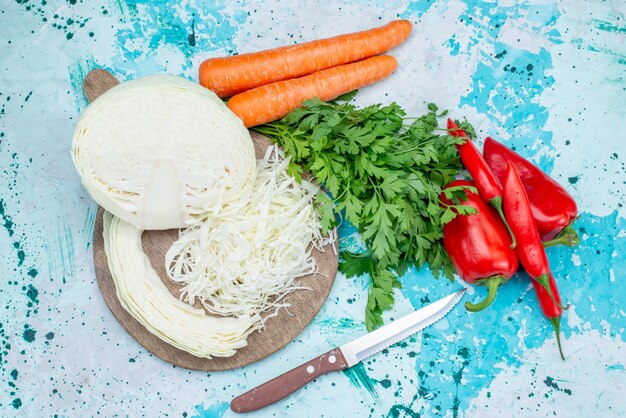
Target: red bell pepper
{"type": "Point", "coordinates": [529, 249]}
{"type": "Point", "coordinates": [553, 209]}
{"type": "Point", "coordinates": [486, 183]}
{"type": "Point", "coordinates": [479, 246]}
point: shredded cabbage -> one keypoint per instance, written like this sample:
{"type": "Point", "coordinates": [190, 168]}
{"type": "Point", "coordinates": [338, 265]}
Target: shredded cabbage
{"type": "Point", "coordinates": [243, 262]}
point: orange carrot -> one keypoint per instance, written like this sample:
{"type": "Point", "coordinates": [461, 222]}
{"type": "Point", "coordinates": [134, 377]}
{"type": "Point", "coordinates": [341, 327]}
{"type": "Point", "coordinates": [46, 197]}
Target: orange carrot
{"type": "Point", "coordinates": [232, 75]}
{"type": "Point", "coordinates": [273, 101]}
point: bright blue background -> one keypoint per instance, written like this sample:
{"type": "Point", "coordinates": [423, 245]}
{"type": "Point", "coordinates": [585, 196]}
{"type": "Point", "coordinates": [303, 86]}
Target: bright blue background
{"type": "Point", "coordinates": [545, 77]}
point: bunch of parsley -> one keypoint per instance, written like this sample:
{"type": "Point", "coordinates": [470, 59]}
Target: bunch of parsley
{"type": "Point", "coordinates": [386, 172]}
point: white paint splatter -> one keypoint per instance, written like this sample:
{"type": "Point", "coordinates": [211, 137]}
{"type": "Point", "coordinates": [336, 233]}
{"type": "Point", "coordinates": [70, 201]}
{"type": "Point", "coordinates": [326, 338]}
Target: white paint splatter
{"type": "Point", "coordinates": [547, 386]}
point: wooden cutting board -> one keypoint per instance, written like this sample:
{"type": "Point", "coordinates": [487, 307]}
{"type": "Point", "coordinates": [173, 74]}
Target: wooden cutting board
{"type": "Point", "coordinates": [278, 331]}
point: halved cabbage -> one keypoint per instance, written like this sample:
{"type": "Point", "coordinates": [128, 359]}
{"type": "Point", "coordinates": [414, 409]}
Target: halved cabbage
{"type": "Point", "coordinates": [161, 151]}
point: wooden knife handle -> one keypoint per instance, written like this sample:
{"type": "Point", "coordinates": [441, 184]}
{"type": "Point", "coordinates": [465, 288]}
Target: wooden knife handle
{"type": "Point", "coordinates": [287, 383]}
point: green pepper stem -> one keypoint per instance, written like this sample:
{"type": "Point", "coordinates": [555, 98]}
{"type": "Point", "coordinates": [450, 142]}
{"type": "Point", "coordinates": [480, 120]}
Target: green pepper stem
{"type": "Point", "coordinates": [496, 202]}
{"type": "Point", "coordinates": [568, 236]}
{"type": "Point", "coordinates": [492, 283]}
{"type": "Point", "coordinates": [556, 323]}
{"type": "Point", "coordinates": [544, 281]}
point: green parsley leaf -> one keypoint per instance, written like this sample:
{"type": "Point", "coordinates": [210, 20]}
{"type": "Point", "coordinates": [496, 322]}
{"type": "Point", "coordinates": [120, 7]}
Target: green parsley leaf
{"type": "Point", "coordinates": [386, 172]}
{"type": "Point", "coordinates": [467, 127]}
{"type": "Point", "coordinates": [354, 265]}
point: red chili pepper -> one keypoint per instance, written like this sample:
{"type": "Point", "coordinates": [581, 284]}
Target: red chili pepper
{"type": "Point", "coordinates": [486, 182]}
{"type": "Point", "coordinates": [529, 249]}
{"type": "Point", "coordinates": [551, 310]}
{"type": "Point", "coordinates": [554, 210]}
{"type": "Point", "coordinates": [479, 246]}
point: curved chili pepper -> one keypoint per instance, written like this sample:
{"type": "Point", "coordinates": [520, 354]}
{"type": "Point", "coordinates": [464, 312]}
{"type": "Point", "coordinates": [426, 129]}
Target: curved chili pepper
{"type": "Point", "coordinates": [550, 309]}
{"type": "Point", "coordinates": [479, 246]}
{"type": "Point", "coordinates": [530, 251]}
{"type": "Point", "coordinates": [553, 209]}
{"type": "Point", "coordinates": [486, 182]}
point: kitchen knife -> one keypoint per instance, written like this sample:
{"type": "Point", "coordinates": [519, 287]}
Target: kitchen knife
{"type": "Point", "coordinates": [344, 357]}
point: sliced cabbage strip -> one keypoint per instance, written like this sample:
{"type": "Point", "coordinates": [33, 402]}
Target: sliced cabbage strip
{"type": "Point", "coordinates": [142, 293]}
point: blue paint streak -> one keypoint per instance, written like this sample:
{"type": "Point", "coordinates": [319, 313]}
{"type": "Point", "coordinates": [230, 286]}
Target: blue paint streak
{"type": "Point", "coordinates": [554, 36]}
{"type": "Point", "coordinates": [156, 25]}
{"type": "Point", "coordinates": [417, 8]}
{"type": "Point", "coordinates": [615, 367]}
{"type": "Point", "coordinates": [454, 45]}
{"type": "Point", "coordinates": [506, 89]}
{"type": "Point", "coordinates": [214, 411]}
{"type": "Point", "coordinates": [505, 86]}
{"type": "Point", "coordinates": [542, 14]}
{"type": "Point", "coordinates": [592, 293]}
{"type": "Point", "coordinates": [346, 229]}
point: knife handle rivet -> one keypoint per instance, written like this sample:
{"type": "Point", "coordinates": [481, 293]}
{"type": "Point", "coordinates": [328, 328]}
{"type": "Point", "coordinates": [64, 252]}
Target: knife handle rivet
{"type": "Point", "coordinates": [332, 359]}
{"type": "Point", "coordinates": [310, 369]}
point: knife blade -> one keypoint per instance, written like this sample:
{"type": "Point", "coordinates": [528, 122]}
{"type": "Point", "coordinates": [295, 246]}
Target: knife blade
{"type": "Point", "coordinates": [345, 356]}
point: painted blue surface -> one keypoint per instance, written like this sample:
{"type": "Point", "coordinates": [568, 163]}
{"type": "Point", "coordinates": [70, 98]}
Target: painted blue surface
{"type": "Point", "coordinates": [545, 77]}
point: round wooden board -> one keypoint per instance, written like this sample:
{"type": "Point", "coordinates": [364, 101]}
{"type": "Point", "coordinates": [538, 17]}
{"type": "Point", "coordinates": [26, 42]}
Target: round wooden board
{"type": "Point", "coordinates": [278, 331]}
